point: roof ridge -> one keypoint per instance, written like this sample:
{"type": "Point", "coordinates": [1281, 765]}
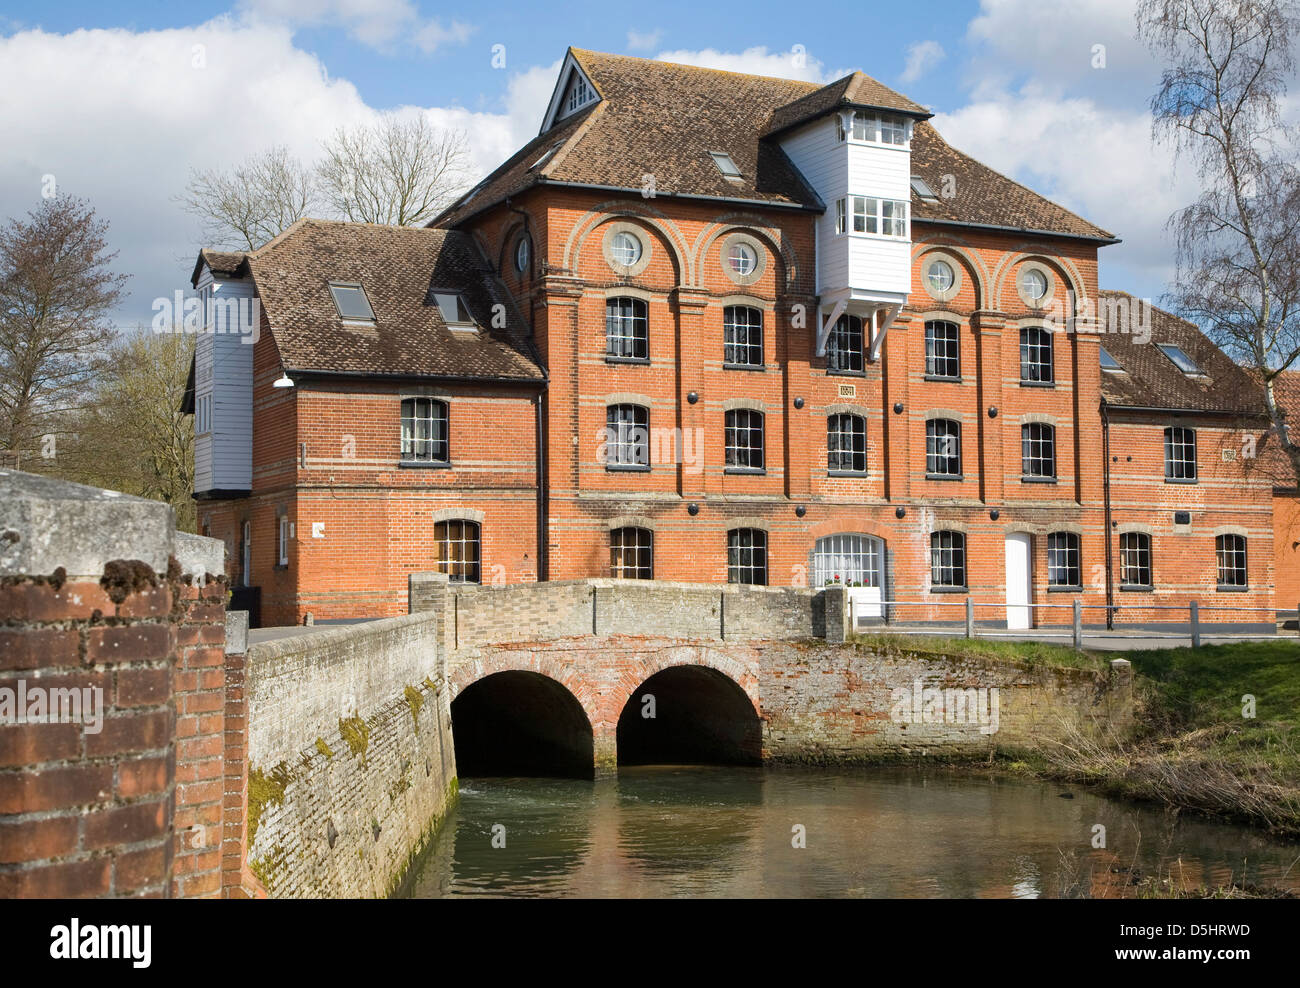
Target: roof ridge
{"type": "Point", "coordinates": [699, 68]}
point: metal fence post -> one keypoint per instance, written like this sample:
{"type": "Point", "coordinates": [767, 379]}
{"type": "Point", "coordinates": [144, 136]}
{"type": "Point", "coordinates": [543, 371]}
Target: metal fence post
{"type": "Point", "coordinates": [1196, 624]}
{"type": "Point", "coordinates": [970, 618]}
{"type": "Point", "coordinates": [1078, 624]}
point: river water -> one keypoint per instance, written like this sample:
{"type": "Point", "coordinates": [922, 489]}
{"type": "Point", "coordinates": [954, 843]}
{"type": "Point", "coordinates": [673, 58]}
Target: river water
{"type": "Point", "coordinates": [875, 832]}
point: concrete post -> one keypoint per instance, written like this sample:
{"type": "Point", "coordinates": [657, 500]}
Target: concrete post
{"type": "Point", "coordinates": [1196, 624]}
{"type": "Point", "coordinates": [970, 618]}
{"type": "Point", "coordinates": [837, 613]}
{"type": "Point", "coordinates": [1078, 624]}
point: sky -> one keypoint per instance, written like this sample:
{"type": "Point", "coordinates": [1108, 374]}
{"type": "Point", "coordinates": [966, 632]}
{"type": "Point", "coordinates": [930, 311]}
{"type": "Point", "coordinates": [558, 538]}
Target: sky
{"type": "Point", "coordinates": [120, 101]}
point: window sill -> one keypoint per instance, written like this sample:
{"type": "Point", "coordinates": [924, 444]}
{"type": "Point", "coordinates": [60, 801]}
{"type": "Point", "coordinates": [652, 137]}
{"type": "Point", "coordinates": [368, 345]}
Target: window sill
{"type": "Point", "coordinates": [280, 567]}
{"type": "Point", "coordinates": [626, 468]}
{"type": "Point", "coordinates": [949, 590]}
{"type": "Point", "coordinates": [423, 465]}
{"type": "Point", "coordinates": [1180, 480]}
{"type": "Point", "coordinates": [1038, 384]}
{"type": "Point", "coordinates": [746, 471]}
{"type": "Point", "coordinates": [1124, 588]}
{"type": "Point", "coordinates": [943, 379]}
{"type": "Point", "coordinates": [626, 360]}
{"type": "Point", "coordinates": [845, 373]}
{"type": "Point", "coordinates": [846, 473]}
{"type": "Point", "coordinates": [1225, 588]}
{"type": "Point", "coordinates": [1038, 480]}
{"type": "Point", "coordinates": [745, 367]}
{"type": "Point", "coordinates": [1064, 589]}
{"type": "Point", "coordinates": [945, 476]}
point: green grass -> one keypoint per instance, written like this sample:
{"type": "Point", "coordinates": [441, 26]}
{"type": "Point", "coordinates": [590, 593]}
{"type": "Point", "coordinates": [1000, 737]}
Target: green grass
{"type": "Point", "coordinates": [1028, 653]}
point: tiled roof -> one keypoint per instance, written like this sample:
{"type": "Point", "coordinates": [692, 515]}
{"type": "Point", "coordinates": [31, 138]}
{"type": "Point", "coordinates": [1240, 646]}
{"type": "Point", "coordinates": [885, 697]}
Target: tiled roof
{"type": "Point", "coordinates": [855, 89]}
{"type": "Point", "coordinates": [1271, 461]}
{"type": "Point", "coordinates": [398, 267]}
{"type": "Point", "coordinates": [223, 263]}
{"type": "Point", "coordinates": [1152, 380]}
{"type": "Point", "coordinates": [982, 196]}
{"type": "Point", "coordinates": [661, 119]}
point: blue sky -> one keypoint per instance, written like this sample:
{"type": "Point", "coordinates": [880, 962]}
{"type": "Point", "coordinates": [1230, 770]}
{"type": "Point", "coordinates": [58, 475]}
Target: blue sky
{"type": "Point", "coordinates": [110, 97]}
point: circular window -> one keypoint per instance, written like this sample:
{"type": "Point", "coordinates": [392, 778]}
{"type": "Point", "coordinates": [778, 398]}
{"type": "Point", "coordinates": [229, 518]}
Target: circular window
{"type": "Point", "coordinates": [625, 248]}
{"type": "Point", "coordinates": [742, 258]}
{"type": "Point", "coordinates": [522, 251]}
{"type": "Point", "coordinates": [940, 276]}
{"type": "Point", "coordinates": [1033, 284]}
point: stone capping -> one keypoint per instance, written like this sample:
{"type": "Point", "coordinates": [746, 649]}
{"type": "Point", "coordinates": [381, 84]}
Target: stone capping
{"type": "Point", "coordinates": [753, 404]}
{"type": "Point", "coordinates": [609, 582]}
{"type": "Point", "coordinates": [842, 409]}
{"type": "Point", "coordinates": [457, 514]}
{"type": "Point", "coordinates": [199, 555]}
{"type": "Point", "coordinates": [46, 524]}
{"type": "Point", "coordinates": [1038, 418]}
{"type": "Point", "coordinates": [236, 632]}
{"type": "Point", "coordinates": [1231, 530]}
{"type": "Point", "coordinates": [1126, 527]}
{"type": "Point", "coordinates": [279, 648]}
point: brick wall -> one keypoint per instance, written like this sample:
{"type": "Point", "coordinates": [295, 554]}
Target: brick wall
{"type": "Point", "coordinates": [350, 759]}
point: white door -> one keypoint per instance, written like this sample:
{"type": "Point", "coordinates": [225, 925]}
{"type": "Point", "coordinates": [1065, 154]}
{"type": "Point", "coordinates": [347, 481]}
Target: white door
{"type": "Point", "coordinates": [1019, 582]}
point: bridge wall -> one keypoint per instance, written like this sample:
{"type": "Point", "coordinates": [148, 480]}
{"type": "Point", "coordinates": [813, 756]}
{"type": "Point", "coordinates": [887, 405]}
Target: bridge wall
{"type": "Point", "coordinates": [351, 763]}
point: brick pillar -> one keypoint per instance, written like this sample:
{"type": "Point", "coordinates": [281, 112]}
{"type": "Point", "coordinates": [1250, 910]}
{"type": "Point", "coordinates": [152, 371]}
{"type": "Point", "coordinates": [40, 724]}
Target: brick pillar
{"type": "Point", "coordinates": [199, 683]}
{"type": "Point", "coordinates": [86, 594]}
{"type": "Point", "coordinates": [794, 347]}
{"type": "Point", "coordinates": [692, 419]}
{"type": "Point", "coordinates": [895, 427]}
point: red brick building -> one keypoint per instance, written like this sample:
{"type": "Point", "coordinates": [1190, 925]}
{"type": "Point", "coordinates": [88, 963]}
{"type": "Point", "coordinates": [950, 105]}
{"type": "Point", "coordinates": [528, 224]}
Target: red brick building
{"type": "Point", "coordinates": [710, 327]}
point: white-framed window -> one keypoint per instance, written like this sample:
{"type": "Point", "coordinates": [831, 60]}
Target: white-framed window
{"type": "Point", "coordinates": [942, 448]}
{"type": "Point", "coordinates": [726, 165]}
{"type": "Point", "coordinates": [627, 329]}
{"type": "Point", "coordinates": [940, 276]}
{"type": "Point", "coordinates": [1063, 568]}
{"type": "Point", "coordinates": [1231, 553]}
{"type": "Point", "coordinates": [874, 128]}
{"type": "Point", "coordinates": [743, 435]}
{"type": "Point", "coordinates": [458, 550]}
{"type": "Point", "coordinates": [1135, 559]}
{"type": "Point", "coordinates": [742, 336]}
{"type": "Point", "coordinates": [424, 430]}
{"type": "Point", "coordinates": [1180, 454]}
{"type": "Point", "coordinates": [1036, 355]}
{"type": "Point", "coordinates": [742, 258]}
{"type": "Point", "coordinates": [872, 215]}
{"type": "Point", "coordinates": [351, 302]}
{"type": "Point", "coordinates": [1033, 283]}
{"type": "Point", "coordinates": [282, 541]}
{"type": "Point", "coordinates": [942, 348]}
{"type": "Point", "coordinates": [578, 95]}
{"type": "Point", "coordinates": [625, 247]}
{"type": "Point", "coordinates": [847, 559]}
{"type": "Point", "coordinates": [747, 556]}
{"type": "Point", "coordinates": [523, 252]}
{"type": "Point", "coordinates": [203, 414]}
{"type": "Point", "coordinates": [631, 553]}
{"type": "Point", "coordinates": [1037, 450]}
{"type": "Point", "coordinates": [844, 346]}
{"type": "Point", "coordinates": [246, 555]}
{"type": "Point", "coordinates": [627, 437]}
{"type": "Point", "coordinates": [846, 444]}
{"type": "Point", "coordinates": [455, 313]}
{"type": "Point", "coordinates": [947, 559]}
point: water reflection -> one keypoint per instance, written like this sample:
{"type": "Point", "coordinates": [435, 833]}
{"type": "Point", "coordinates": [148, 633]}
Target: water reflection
{"type": "Point", "coordinates": [878, 832]}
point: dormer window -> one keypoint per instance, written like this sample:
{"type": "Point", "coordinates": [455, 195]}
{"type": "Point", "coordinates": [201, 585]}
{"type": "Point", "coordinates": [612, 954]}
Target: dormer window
{"type": "Point", "coordinates": [867, 214]}
{"type": "Point", "coordinates": [578, 95]}
{"type": "Point", "coordinates": [351, 302]}
{"type": "Point", "coordinates": [725, 165]}
{"type": "Point", "coordinates": [1181, 360]}
{"type": "Point", "coordinates": [873, 128]}
{"type": "Point", "coordinates": [454, 311]}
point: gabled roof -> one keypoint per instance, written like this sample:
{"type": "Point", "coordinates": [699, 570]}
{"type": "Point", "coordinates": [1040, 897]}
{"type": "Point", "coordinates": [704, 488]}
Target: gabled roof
{"type": "Point", "coordinates": [1270, 459]}
{"type": "Point", "coordinates": [855, 90]}
{"type": "Point", "coordinates": [222, 264]}
{"type": "Point", "coordinates": [399, 268]}
{"type": "Point", "coordinates": [662, 119]}
{"type": "Point", "coordinates": [1151, 380]}
{"type": "Point", "coordinates": [981, 196]}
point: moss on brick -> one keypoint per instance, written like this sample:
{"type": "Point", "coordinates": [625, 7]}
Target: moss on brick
{"type": "Point", "coordinates": [264, 790]}
{"type": "Point", "coordinates": [414, 700]}
{"type": "Point", "coordinates": [356, 734]}
{"type": "Point", "coordinates": [323, 748]}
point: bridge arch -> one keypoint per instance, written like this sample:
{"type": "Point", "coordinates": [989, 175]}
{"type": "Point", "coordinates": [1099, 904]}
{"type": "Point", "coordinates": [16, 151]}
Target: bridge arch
{"type": "Point", "coordinates": [520, 722]}
{"type": "Point", "coordinates": [691, 715]}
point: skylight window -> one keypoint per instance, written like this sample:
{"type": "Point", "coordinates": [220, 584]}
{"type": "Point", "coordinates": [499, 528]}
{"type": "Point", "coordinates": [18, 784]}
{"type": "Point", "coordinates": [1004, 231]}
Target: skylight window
{"type": "Point", "coordinates": [546, 156]}
{"type": "Point", "coordinates": [1108, 362]}
{"type": "Point", "coordinates": [351, 301]}
{"type": "Point", "coordinates": [1183, 362]}
{"type": "Point", "coordinates": [454, 311]}
{"type": "Point", "coordinates": [725, 164]}
{"type": "Point", "coordinates": [922, 188]}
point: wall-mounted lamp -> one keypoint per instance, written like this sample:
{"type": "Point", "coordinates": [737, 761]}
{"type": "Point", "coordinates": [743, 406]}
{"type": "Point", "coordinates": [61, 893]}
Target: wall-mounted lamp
{"type": "Point", "coordinates": [800, 511]}
{"type": "Point", "coordinates": [692, 508]}
{"type": "Point", "coordinates": [898, 408]}
{"type": "Point", "coordinates": [283, 381]}
{"type": "Point", "coordinates": [798, 403]}
{"type": "Point", "coordinates": [900, 512]}
{"type": "Point", "coordinates": [693, 397]}
{"type": "Point", "coordinates": [994, 514]}
{"type": "Point", "coordinates": [993, 411]}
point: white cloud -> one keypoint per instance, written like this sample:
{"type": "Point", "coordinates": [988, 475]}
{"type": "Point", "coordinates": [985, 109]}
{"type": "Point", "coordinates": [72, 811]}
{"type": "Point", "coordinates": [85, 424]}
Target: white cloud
{"type": "Point", "coordinates": [644, 40]}
{"type": "Point", "coordinates": [793, 64]}
{"type": "Point", "coordinates": [379, 24]}
{"type": "Point", "coordinates": [122, 117]}
{"type": "Point", "coordinates": [921, 57]}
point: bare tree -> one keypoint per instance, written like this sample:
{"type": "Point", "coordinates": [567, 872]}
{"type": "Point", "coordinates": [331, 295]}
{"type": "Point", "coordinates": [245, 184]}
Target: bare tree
{"type": "Point", "coordinates": [133, 437]}
{"type": "Point", "coordinates": [56, 295]}
{"type": "Point", "coordinates": [401, 170]}
{"type": "Point", "coordinates": [1220, 105]}
{"type": "Point", "coordinates": [245, 207]}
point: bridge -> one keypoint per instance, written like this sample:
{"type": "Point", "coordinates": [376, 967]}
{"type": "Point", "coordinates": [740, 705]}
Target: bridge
{"type": "Point", "coordinates": [322, 764]}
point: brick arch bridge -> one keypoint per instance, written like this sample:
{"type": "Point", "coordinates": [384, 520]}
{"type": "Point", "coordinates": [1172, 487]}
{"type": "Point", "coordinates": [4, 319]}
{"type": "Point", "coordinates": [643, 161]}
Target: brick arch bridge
{"type": "Point", "coordinates": [709, 688]}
